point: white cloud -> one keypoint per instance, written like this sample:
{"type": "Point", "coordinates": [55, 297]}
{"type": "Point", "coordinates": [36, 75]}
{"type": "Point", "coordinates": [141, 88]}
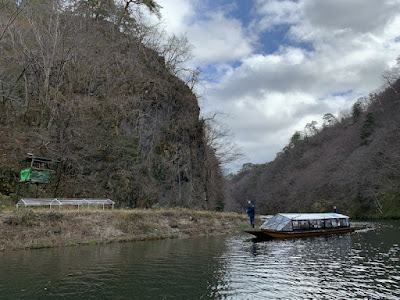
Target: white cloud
{"type": "Point", "coordinates": [176, 14]}
{"type": "Point", "coordinates": [276, 12]}
{"type": "Point", "coordinates": [219, 39]}
{"type": "Point", "coordinates": [268, 120]}
{"type": "Point", "coordinates": [215, 36]}
{"type": "Point", "coordinates": [333, 53]}
{"type": "Point", "coordinates": [358, 16]}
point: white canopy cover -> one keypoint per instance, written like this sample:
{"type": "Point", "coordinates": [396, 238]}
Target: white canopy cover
{"type": "Point", "coordinates": [283, 222]}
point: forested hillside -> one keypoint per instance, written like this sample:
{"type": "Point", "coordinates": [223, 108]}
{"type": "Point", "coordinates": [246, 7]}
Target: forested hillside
{"type": "Point", "coordinates": [352, 162]}
{"type": "Point", "coordinates": [78, 84]}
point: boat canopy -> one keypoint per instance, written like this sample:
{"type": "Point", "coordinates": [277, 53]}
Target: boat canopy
{"type": "Point", "coordinates": [295, 221]}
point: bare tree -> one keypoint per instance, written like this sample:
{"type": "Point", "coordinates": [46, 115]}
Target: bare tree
{"type": "Point", "coordinates": [220, 139]}
{"type": "Point", "coordinates": [9, 11]}
{"type": "Point", "coordinates": [46, 49]}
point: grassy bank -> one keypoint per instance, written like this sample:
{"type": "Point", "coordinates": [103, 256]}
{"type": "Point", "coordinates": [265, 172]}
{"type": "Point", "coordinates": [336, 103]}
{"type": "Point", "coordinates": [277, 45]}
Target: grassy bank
{"type": "Point", "coordinates": [43, 228]}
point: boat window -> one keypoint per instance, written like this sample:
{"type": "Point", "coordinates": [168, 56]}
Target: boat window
{"type": "Point", "coordinates": [317, 224]}
{"type": "Point", "coordinates": [296, 225]}
{"type": "Point", "coordinates": [280, 226]}
{"type": "Point", "coordinates": [273, 220]}
{"type": "Point", "coordinates": [321, 224]}
{"type": "Point", "coordinates": [300, 225]}
{"type": "Point", "coordinates": [304, 225]}
{"type": "Point", "coordinates": [288, 227]}
{"type": "Point", "coordinates": [334, 223]}
{"type": "Point", "coordinates": [313, 224]}
{"type": "Point", "coordinates": [343, 222]}
{"type": "Point", "coordinates": [328, 223]}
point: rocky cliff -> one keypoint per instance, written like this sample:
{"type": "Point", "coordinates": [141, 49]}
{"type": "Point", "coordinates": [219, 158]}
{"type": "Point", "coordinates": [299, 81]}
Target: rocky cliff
{"type": "Point", "coordinates": [89, 94]}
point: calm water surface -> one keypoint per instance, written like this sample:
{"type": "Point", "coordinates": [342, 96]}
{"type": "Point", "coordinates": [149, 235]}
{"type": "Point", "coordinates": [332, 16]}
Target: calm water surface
{"type": "Point", "coordinates": [364, 265]}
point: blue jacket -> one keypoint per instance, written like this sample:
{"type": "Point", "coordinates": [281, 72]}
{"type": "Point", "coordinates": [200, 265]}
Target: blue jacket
{"type": "Point", "coordinates": [250, 211]}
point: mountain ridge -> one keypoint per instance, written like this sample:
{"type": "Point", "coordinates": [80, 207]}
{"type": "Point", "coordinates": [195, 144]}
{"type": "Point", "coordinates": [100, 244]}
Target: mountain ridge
{"type": "Point", "coordinates": [351, 163]}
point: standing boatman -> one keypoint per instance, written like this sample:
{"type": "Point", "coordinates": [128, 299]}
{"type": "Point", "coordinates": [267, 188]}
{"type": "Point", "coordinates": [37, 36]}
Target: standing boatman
{"type": "Point", "coordinates": [251, 212]}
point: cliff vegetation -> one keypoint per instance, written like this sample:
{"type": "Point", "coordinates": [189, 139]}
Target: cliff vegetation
{"type": "Point", "coordinates": [89, 84]}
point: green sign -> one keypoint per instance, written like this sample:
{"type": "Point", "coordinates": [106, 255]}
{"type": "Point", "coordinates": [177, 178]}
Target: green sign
{"type": "Point", "coordinates": [35, 176]}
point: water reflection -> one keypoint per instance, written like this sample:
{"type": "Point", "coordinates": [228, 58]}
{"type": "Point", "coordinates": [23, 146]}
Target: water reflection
{"type": "Point", "coordinates": [157, 270]}
{"type": "Point", "coordinates": [364, 264]}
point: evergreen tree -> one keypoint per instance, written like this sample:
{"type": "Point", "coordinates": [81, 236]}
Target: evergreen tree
{"type": "Point", "coordinates": [368, 127]}
{"type": "Point", "coordinates": [356, 112]}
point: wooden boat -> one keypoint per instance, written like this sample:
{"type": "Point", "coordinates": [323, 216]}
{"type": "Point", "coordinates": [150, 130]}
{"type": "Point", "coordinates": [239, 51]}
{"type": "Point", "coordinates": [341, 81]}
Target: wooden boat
{"type": "Point", "coordinates": [283, 225]}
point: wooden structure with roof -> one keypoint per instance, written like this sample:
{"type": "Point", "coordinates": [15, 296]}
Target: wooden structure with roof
{"type": "Point", "coordinates": [37, 171]}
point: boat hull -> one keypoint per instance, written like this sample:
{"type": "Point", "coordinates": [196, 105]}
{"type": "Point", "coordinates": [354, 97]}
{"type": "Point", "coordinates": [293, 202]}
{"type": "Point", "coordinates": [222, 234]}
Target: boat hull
{"type": "Point", "coordinates": [273, 234]}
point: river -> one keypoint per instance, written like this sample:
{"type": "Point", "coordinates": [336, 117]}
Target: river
{"type": "Point", "coordinates": [364, 264]}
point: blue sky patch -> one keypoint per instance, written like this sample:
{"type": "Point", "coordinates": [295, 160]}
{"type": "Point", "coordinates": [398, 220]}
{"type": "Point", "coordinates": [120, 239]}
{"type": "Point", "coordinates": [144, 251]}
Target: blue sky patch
{"type": "Point", "coordinates": [343, 93]}
{"type": "Point", "coordinates": [271, 41]}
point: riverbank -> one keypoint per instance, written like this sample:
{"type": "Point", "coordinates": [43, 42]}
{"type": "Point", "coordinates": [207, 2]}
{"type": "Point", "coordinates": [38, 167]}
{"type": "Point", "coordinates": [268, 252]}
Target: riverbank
{"type": "Point", "coordinates": [44, 228]}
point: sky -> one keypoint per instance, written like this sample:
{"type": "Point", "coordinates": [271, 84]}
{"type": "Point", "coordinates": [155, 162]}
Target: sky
{"type": "Point", "coordinates": [272, 66]}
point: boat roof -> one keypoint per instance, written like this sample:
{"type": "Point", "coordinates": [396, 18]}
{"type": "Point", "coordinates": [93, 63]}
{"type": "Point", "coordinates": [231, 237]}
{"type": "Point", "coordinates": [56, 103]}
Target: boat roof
{"type": "Point", "coordinates": [313, 216]}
